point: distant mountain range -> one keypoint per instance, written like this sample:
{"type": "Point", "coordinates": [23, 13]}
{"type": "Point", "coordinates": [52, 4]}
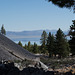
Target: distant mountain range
{"type": "Point", "coordinates": [29, 35]}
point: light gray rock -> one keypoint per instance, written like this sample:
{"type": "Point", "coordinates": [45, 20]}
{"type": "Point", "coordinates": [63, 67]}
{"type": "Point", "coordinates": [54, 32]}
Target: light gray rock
{"type": "Point", "coordinates": [11, 51]}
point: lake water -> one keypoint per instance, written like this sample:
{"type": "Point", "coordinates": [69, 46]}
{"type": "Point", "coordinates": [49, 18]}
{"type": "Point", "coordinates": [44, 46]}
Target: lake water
{"type": "Point", "coordinates": [26, 42]}
{"type": "Point", "coordinates": [32, 40]}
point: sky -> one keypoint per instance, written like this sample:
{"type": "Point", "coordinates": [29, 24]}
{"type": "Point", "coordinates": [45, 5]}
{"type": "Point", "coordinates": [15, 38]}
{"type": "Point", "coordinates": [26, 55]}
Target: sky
{"type": "Point", "coordinates": [28, 15]}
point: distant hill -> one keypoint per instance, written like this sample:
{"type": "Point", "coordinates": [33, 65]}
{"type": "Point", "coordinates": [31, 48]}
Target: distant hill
{"type": "Point", "coordinates": [29, 35]}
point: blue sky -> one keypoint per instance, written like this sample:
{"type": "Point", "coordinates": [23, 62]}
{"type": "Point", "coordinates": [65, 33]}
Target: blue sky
{"type": "Point", "coordinates": [20, 15]}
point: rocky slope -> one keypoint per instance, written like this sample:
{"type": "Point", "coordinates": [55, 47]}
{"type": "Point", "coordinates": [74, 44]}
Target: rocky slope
{"type": "Point", "coordinates": [11, 51]}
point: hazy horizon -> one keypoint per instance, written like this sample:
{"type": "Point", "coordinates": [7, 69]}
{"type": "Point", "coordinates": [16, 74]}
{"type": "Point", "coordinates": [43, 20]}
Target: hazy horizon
{"type": "Point", "coordinates": [37, 30]}
{"type": "Point", "coordinates": [25, 37]}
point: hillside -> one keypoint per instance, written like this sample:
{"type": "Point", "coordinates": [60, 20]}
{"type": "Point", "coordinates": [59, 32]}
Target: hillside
{"type": "Point", "coordinates": [11, 51]}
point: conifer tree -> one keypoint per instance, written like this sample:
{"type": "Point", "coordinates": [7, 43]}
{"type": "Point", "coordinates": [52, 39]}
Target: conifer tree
{"type": "Point", "coordinates": [3, 30]}
{"type": "Point", "coordinates": [62, 45]}
{"type": "Point", "coordinates": [19, 43]}
{"type": "Point", "coordinates": [64, 3]}
{"type": "Point", "coordinates": [72, 38]}
{"type": "Point", "coordinates": [29, 46]}
{"type": "Point", "coordinates": [25, 46]}
{"type": "Point", "coordinates": [35, 48]}
{"type": "Point", "coordinates": [43, 41]}
{"type": "Point", "coordinates": [50, 44]}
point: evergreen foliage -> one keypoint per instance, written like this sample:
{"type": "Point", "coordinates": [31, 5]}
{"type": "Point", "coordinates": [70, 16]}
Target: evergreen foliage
{"type": "Point", "coordinates": [43, 41]}
{"type": "Point", "coordinates": [50, 44]}
{"type": "Point", "coordinates": [29, 46]}
{"type": "Point", "coordinates": [25, 46]}
{"type": "Point", "coordinates": [3, 31]}
{"type": "Point", "coordinates": [19, 43]}
{"type": "Point", "coordinates": [32, 48]}
{"type": "Point", "coordinates": [35, 48]}
{"type": "Point", "coordinates": [44, 38]}
{"type": "Point", "coordinates": [72, 38]}
{"type": "Point", "coordinates": [64, 3]}
{"type": "Point", "coordinates": [62, 45]}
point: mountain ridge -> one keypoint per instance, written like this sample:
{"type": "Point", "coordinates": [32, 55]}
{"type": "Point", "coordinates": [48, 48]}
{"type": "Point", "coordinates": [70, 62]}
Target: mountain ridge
{"type": "Point", "coordinates": [29, 34]}
{"type": "Point", "coordinates": [26, 36]}
{"type": "Point", "coordinates": [31, 31]}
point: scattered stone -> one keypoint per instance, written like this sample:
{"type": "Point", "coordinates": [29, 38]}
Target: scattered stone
{"type": "Point", "coordinates": [10, 69]}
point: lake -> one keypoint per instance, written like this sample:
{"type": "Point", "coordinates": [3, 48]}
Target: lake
{"type": "Point", "coordinates": [26, 42]}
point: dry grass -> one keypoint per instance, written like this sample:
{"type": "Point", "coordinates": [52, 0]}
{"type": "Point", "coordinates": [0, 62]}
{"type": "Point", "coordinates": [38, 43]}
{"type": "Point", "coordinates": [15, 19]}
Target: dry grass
{"type": "Point", "coordinates": [61, 65]}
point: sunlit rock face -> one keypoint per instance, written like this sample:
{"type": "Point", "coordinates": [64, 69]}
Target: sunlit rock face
{"type": "Point", "coordinates": [11, 51]}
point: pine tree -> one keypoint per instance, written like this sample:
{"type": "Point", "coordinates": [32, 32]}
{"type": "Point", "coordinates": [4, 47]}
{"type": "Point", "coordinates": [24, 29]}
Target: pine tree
{"type": "Point", "coordinates": [50, 44]}
{"type": "Point", "coordinates": [3, 30]}
{"type": "Point", "coordinates": [72, 38]}
{"type": "Point", "coordinates": [19, 43]}
{"type": "Point", "coordinates": [35, 48]}
{"type": "Point", "coordinates": [29, 46]}
{"type": "Point", "coordinates": [62, 45]}
{"type": "Point", "coordinates": [25, 46]}
{"type": "Point", "coordinates": [64, 3]}
{"type": "Point", "coordinates": [43, 42]}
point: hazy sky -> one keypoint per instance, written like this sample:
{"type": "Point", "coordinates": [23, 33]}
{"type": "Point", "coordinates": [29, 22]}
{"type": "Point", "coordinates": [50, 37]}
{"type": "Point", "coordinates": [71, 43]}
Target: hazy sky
{"type": "Point", "coordinates": [20, 15]}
